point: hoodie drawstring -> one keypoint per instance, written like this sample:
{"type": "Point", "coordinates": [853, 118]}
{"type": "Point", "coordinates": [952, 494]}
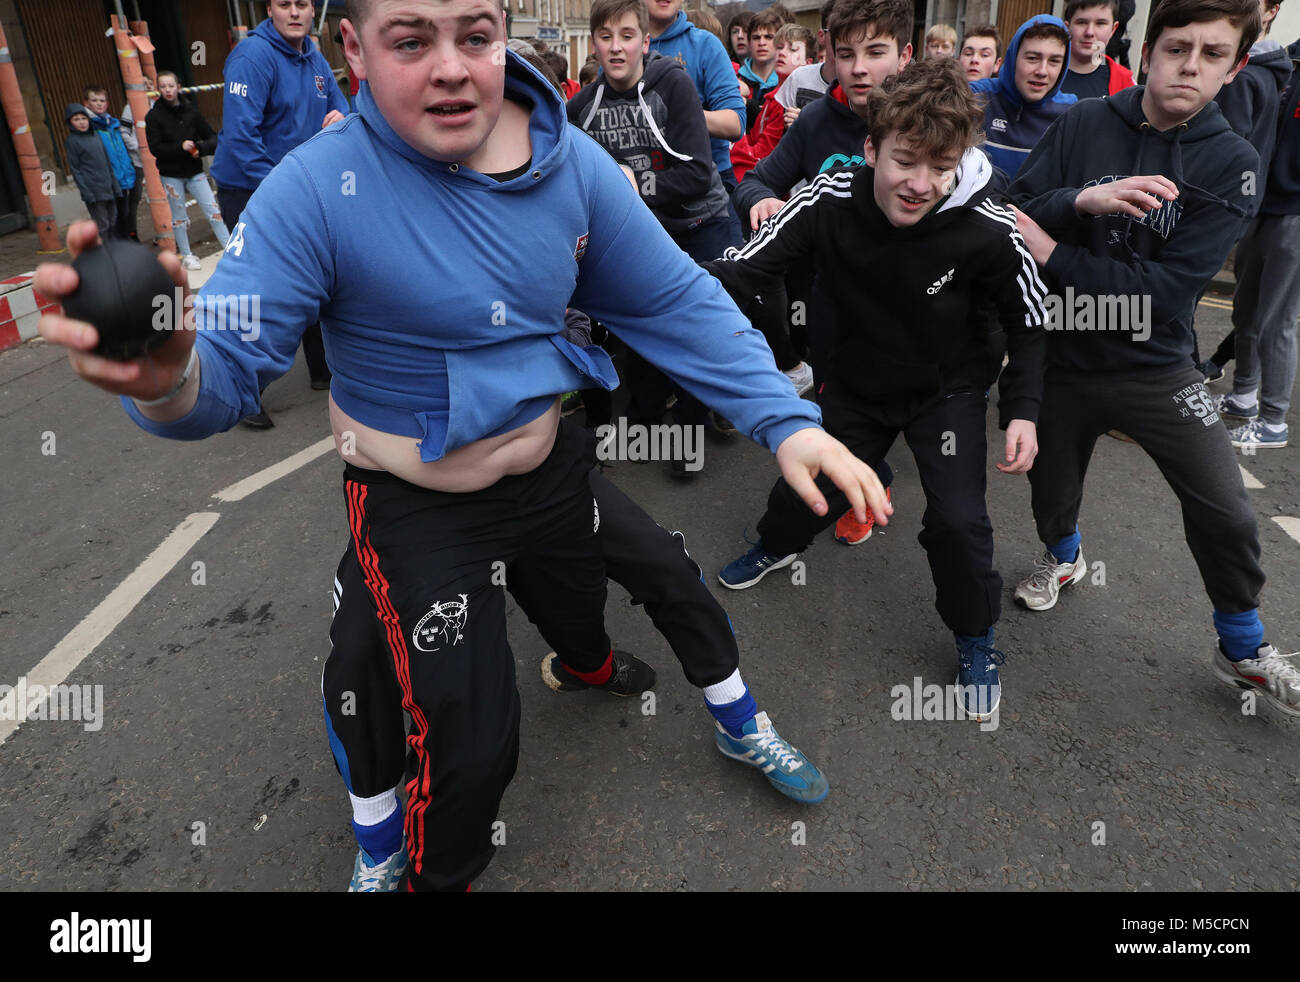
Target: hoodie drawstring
{"type": "Point", "coordinates": [650, 120]}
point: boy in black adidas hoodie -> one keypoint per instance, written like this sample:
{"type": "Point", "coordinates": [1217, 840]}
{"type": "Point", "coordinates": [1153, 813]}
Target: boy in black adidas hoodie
{"type": "Point", "coordinates": [1130, 254]}
{"type": "Point", "coordinates": [644, 110]}
{"type": "Point", "coordinates": [906, 246]}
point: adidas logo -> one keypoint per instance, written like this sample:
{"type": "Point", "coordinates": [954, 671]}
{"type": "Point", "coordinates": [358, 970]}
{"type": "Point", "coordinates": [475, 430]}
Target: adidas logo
{"type": "Point", "coordinates": [938, 284]}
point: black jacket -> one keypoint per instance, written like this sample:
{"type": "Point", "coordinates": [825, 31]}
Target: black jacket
{"type": "Point", "coordinates": [167, 127]}
{"type": "Point", "coordinates": [1283, 194]}
{"type": "Point", "coordinates": [1250, 101]}
{"type": "Point", "coordinates": [657, 128]}
{"type": "Point", "coordinates": [905, 298]}
{"type": "Point", "coordinates": [88, 161]}
{"type": "Point", "coordinates": [1168, 255]}
{"type": "Point", "coordinates": [826, 136]}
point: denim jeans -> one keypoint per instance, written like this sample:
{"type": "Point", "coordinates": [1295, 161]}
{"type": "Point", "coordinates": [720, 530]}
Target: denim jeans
{"type": "Point", "coordinates": [178, 191]}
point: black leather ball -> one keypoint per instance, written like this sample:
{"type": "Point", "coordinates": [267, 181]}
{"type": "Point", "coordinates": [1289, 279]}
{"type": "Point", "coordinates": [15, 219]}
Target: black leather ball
{"type": "Point", "coordinates": [124, 292]}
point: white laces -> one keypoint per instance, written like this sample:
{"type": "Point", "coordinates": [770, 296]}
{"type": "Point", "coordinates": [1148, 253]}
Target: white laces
{"type": "Point", "coordinates": [768, 741]}
{"type": "Point", "coordinates": [1044, 571]}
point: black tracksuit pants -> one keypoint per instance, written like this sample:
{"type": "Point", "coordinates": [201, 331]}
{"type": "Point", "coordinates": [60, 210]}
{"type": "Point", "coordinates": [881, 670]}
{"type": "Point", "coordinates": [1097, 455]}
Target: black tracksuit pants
{"type": "Point", "coordinates": [946, 435]}
{"type": "Point", "coordinates": [1171, 416]}
{"type": "Point", "coordinates": [363, 698]}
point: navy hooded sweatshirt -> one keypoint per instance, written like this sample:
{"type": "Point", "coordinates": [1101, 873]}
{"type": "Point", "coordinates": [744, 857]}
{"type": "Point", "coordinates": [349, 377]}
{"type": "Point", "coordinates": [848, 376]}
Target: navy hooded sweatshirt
{"type": "Point", "coordinates": [1169, 255]}
{"type": "Point", "coordinates": [657, 128]}
{"type": "Point", "coordinates": [1250, 101]}
{"type": "Point", "coordinates": [276, 97]}
{"type": "Point", "coordinates": [1013, 126]}
{"type": "Point", "coordinates": [1283, 194]}
{"type": "Point", "coordinates": [827, 135]}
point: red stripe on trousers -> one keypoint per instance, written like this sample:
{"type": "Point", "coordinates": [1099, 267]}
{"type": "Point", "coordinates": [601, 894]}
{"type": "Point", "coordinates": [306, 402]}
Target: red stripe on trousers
{"type": "Point", "coordinates": [377, 583]}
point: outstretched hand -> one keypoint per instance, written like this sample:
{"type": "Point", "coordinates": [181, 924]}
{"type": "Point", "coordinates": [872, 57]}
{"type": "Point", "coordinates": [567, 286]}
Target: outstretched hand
{"type": "Point", "coordinates": [806, 453]}
{"type": "Point", "coordinates": [148, 377]}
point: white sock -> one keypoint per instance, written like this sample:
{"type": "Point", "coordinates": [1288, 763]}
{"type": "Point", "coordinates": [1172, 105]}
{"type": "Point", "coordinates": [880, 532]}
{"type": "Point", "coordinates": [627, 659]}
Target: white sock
{"type": "Point", "coordinates": [372, 811]}
{"type": "Point", "coordinates": [1275, 428]}
{"type": "Point", "coordinates": [1246, 398]}
{"type": "Point", "coordinates": [728, 690]}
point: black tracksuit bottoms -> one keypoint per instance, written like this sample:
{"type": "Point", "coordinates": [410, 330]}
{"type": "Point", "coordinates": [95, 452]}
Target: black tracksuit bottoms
{"type": "Point", "coordinates": [444, 658]}
{"type": "Point", "coordinates": [1171, 416]}
{"type": "Point", "coordinates": [946, 435]}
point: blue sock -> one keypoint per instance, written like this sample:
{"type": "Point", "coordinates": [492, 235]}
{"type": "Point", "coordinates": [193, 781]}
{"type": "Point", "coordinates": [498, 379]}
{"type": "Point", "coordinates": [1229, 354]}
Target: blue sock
{"type": "Point", "coordinates": [1240, 635]}
{"type": "Point", "coordinates": [1067, 550]}
{"type": "Point", "coordinates": [380, 841]}
{"type": "Point", "coordinates": [734, 715]}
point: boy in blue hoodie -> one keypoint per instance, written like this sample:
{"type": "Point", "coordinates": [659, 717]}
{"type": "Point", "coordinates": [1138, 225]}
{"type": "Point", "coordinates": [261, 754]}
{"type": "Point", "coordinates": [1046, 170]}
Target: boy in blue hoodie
{"type": "Point", "coordinates": [448, 366]}
{"type": "Point", "coordinates": [109, 130]}
{"type": "Point", "coordinates": [709, 66]}
{"type": "Point", "coordinates": [1026, 97]}
{"type": "Point", "coordinates": [1130, 252]}
{"type": "Point", "coordinates": [280, 91]}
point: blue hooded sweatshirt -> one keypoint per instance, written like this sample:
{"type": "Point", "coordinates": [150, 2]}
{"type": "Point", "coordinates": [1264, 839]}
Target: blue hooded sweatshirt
{"type": "Point", "coordinates": [1011, 125]}
{"type": "Point", "coordinates": [276, 97]}
{"type": "Point", "coordinates": [444, 321]}
{"type": "Point", "coordinates": [709, 66]}
{"type": "Point", "coordinates": [109, 129]}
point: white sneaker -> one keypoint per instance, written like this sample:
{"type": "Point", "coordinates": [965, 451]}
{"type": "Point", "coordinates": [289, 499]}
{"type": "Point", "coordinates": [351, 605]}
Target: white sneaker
{"type": "Point", "coordinates": [801, 376]}
{"type": "Point", "coordinates": [1042, 588]}
{"type": "Point", "coordinates": [191, 262]}
{"type": "Point", "coordinates": [1269, 674]}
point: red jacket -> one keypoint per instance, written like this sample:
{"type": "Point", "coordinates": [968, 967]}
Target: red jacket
{"type": "Point", "coordinates": [763, 136]}
{"type": "Point", "coordinates": [1120, 77]}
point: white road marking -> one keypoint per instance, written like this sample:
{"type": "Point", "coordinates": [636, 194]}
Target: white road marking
{"type": "Point", "coordinates": [1250, 480]}
{"type": "Point", "coordinates": [103, 620]}
{"type": "Point", "coordinates": [242, 489]}
{"type": "Point", "coordinates": [1291, 526]}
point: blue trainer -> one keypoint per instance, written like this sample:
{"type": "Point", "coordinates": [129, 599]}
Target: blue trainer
{"type": "Point", "coordinates": [978, 681]}
{"type": "Point", "coordinates": [789, 771]}
{"type": "Point", "coordinates": [369, 876]}
{"type": "Point", "coordinates": [752, 567]}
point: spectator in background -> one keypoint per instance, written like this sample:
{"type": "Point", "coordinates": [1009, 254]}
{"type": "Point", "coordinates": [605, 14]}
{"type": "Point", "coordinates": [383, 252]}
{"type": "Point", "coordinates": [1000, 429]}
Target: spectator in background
{"type": "Point", "coordinates": [132, 143]}
{"type": "Point", "coordinates": [1119, 42]}
{"type": "Point", "coordinates": [705, 21]}
{"type": "Point", "coordinates": [559, 66]}
{"type": "Point", "coordinates": [179, 137]}
{"type": "Point", "coordinates": [940, 41]}
{"type": "Point", "coordinates": [587, 74]}
{"type": "Point", "coordinates": [981, 52]}
{"type": "Point", "coordinates": [759, 70]}
{"type": "Point", "coordinates": [279, 91]}
{"type": "Point", "coordinates": [1093, 73]}
{"type": "Point", "coordinates": [92, 170]}
{"type": "Point", "coordinates": [109, 130]}
{"type": "Point", "coordinates": [738, 33]}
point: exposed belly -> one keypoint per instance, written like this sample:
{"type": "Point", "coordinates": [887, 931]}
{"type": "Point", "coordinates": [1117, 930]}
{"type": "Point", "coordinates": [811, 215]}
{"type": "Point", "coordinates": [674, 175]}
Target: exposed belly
{"type": "Point", "coordinates": [469, 468]}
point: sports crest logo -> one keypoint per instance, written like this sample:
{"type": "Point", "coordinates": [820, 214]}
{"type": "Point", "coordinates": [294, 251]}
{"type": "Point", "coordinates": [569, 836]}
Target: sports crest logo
{"type": "Point", "coordinates": [443, 624]}
{"type": "Point", "coordinates": [320, 86]}
{"type": "Point", "coordinates": [580, 248]}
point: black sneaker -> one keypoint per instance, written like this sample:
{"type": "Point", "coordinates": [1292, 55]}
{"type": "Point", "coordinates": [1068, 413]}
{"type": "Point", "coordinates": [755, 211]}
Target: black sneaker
{"type": "Point", "coordinates": [679, 470]}
{"type": "Point", "coordinates": [630, 677]}
{"type": "Point", "coordinates": [258, 421]}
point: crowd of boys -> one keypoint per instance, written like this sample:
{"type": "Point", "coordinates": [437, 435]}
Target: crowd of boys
{"type": "Point", "coordinates": [923, 216]}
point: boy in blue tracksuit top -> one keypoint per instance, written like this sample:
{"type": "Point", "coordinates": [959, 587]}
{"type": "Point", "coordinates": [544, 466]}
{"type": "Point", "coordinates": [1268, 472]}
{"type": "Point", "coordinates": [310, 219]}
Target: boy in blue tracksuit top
{"type": "Point", "coordinates": [277, 96]}
{"type": "Point", "coordinates": [280, 91]}
{"type": "Point", "coordinates": [448, 363]}
{"type": "Point", "coordinates": [109, 130]}
{"type": "Point", "coordinates": [1026, 96]}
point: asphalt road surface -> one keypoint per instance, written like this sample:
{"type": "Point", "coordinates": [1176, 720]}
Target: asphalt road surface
{"type": "Point", "coordinates": [1118, 762]}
